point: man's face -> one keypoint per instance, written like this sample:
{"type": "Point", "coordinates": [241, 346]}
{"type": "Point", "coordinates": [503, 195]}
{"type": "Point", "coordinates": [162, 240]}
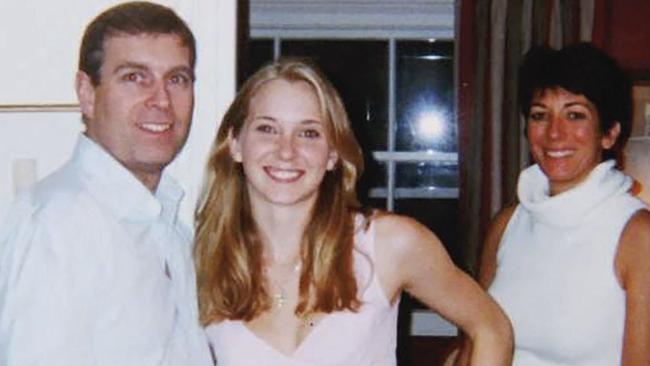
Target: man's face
{"type": "Point", "coordinates": [142, 108]}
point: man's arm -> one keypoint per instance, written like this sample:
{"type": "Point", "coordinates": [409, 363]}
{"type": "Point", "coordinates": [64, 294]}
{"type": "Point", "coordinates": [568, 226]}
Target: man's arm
{"type": "Point", "coordinates": [41, 321]}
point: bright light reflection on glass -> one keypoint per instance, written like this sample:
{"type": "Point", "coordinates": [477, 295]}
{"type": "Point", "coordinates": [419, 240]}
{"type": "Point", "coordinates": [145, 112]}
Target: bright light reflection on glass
{"type": "Point", "coordinates": [433, 57]}
{"type": "Point", "coordinates": [430, 125]}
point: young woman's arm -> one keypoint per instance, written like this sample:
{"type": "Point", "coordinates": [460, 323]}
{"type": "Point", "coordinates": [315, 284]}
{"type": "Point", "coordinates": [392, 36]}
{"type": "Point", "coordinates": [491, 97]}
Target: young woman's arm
{"type": "Point", "coordinates": [412, 258]}
{"type": "Point", "coordinates": [487, 267]}
{"type": "Point", "coordinates": [633, 270]}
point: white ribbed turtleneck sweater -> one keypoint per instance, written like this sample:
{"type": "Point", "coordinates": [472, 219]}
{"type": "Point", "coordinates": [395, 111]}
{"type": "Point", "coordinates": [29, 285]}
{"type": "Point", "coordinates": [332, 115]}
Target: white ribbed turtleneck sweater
{"type": "Point", "coordinates": [555, 269]}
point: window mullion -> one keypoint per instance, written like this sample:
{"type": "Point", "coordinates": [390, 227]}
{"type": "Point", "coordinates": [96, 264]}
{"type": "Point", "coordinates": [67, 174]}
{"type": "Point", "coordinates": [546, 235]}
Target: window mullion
{"type": "Point", "coordinates": [390, 164]}
{"type": "Point", "coordinates": [277, 47]}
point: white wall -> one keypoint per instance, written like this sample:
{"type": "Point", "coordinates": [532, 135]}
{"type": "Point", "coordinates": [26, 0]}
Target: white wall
{"type": "Point", "coordinates": [39, 42]}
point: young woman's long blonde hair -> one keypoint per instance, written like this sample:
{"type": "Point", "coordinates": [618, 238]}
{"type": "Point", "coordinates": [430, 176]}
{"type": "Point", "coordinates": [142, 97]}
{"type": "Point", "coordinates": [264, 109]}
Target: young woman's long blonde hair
{"type": "Point", "coordinates": [229, 254]}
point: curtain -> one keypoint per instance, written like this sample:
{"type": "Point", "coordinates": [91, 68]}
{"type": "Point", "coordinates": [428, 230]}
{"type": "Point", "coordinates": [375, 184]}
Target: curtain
{"type": "Point", "coordinates": [492, 37]}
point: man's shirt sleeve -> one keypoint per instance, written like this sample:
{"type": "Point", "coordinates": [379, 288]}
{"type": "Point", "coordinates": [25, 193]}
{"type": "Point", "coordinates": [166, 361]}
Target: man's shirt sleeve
{"type": "Point", "coordinates": [41, 321]}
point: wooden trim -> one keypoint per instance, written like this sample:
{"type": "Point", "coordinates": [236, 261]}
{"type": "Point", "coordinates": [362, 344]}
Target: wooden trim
{"type": "Point", "coordinates": [39, 108]}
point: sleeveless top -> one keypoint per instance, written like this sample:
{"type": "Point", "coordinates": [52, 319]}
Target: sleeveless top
{"type": "Point", "coordinates": [556, 276]}
{"type": "Point", "coordinates": [343, 338]}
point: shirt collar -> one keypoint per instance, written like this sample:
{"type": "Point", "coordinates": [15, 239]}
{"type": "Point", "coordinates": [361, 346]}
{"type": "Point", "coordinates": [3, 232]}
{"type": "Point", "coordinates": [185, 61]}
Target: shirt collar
{"type": "Point", "coordinates": [117, 188]}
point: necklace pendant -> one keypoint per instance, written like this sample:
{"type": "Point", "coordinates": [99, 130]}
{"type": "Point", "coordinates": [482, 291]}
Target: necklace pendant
{"type": "Point", "coordinates": [307, 321]}
{"type": "Point", "coordinates": [279, 298]}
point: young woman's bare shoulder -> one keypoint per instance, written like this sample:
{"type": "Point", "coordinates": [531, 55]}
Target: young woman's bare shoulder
{"type": "Point", "coordinates": [406, 250]}
{"type": "Point", "coordinates": [399, 231]}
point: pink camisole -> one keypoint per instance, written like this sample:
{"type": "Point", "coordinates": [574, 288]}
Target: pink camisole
{"type": "Point", "coordinates": [364, 338]}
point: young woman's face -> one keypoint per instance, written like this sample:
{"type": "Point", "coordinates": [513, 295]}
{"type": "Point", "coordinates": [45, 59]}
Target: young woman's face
{"type": "Point", "coordinates": [283, 145]}
{"type": "Point", "coordinates": [565, 138]}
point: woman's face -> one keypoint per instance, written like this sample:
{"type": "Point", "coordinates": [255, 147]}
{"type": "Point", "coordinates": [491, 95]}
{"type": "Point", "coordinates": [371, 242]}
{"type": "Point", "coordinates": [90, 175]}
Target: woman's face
{"type": "Point", "coordinates": [565, 138]}
{"type": "Point", "coordinates": [283, 145]}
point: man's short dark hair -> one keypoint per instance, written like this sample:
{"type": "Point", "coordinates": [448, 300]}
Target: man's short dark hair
{"type": "Point", "coordinates": [132, 18]}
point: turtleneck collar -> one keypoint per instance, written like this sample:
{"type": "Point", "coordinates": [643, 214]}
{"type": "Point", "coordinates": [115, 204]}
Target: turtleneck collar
{"type": "Point", "coordinates": [571, 207]}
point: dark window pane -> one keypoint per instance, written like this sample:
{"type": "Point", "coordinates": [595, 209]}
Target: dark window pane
{"type": "Point", "coordinates": [425, 96]}
{"type": "Point", "coordinates": [260, 52]}
{"type": "Point", "coordinates": [439, 215]}
{"type": "Point", "coordinates": [426, 175]}
{"type": "Point", "coordinates": [359, 71]}
{"type": "Point", "coordinates": [379, 203]}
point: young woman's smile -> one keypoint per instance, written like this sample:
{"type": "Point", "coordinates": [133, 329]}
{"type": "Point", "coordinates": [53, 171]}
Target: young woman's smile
{"type": "Point", "coordinates": [284, 145]}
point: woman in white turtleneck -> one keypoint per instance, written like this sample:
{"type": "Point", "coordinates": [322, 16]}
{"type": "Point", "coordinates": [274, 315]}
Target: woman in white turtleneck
{"type": "Point", "coordinates": [570, 263]}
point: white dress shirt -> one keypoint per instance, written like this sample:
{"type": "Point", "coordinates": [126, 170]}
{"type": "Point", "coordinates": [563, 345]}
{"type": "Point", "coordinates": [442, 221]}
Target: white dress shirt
{"type": "Point", "coordinates": [96, 270]}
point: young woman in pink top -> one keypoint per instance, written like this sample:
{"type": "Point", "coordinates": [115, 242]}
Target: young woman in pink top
{"type": "Point", "coordinates": [291, 270]}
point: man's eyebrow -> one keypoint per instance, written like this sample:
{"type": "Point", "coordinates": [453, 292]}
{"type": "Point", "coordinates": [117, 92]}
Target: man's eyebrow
{"type": "Point", "coordinates": [138, 66]}
{"type": "Point", "coordinates": [129, 65]}
{"type": "Point", "coordinates": [184, 69]}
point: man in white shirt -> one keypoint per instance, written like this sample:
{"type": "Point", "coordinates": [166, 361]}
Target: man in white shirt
{"type": "Point", "coordinates": [95, 268]}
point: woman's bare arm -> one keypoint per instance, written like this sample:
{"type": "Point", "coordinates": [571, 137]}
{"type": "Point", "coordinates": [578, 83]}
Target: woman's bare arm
{"type": "Point", "coordinates": [488, 262]}
{"type": "Point", "coordinates": [487, 268]}
{"type": "Point", "coordinates": [633, 270]}
{"type": "Point", "coordinates": [412, 258]}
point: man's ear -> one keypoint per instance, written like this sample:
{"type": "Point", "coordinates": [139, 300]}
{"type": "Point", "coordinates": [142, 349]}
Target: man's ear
{"type": "Point", "coordinates": [610, 136]}
{"type": "Point", "coordinates": [85, 93]}
{"type": "Point", "coordinates": [234, 147]}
